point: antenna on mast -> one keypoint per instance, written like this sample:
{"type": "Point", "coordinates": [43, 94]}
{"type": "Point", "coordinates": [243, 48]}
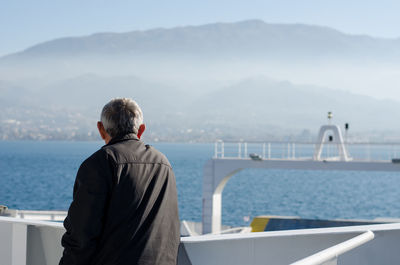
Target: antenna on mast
{"type": "Point", "coordinates": [330, 116]}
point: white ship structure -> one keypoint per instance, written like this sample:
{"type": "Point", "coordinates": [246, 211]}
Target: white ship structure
{"type": "Point", "coordinates": [33, 237]}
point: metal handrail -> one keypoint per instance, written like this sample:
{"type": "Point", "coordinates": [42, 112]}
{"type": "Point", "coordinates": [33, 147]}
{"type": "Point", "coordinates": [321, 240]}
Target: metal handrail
{"type": "Point", "coordinates": [305, 142]}
{"type": "Point", "coordinates": [308, 151]}
{"type": "Point", "coordinates": [333, 252]}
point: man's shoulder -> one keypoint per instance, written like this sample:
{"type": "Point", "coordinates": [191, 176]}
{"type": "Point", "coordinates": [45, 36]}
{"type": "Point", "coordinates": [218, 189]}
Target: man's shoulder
{"type": "Point", "coordinates": [156, 156]}
{"type": "Point", "coordinates": [135, 152]}
{"type": "Point", "coordinates": [97, 158]}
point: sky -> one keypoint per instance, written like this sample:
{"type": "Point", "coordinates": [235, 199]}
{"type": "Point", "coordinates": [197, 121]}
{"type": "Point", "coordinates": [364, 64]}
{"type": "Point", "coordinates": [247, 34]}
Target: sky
{"type": "Point", "coordinates": [24, 23]}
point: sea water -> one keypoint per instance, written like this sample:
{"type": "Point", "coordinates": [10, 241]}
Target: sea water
{"type": "Point", "coordinates": [40, 176]}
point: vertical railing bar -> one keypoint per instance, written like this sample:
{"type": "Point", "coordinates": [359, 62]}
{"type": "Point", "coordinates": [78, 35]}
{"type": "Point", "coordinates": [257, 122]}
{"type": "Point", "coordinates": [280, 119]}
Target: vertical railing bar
{"type": "Point", "coordinates": [263, 153]}
{"type": "Point", "coordinates": [269, 150]}
{"type": "Point", "coordinates": [293, 150]}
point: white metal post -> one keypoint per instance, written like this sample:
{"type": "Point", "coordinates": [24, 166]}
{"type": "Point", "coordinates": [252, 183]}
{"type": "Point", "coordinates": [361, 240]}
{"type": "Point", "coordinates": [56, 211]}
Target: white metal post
{"type": "Point", "coordinates": [263, 155]}
{"type": "Point", "coordinates": [293, 150]}
{"type": "Point", "coordinates": [269, 150]}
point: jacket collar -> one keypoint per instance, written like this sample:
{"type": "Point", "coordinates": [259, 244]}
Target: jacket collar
{"type": "Point", "coordinates": [124, 137]}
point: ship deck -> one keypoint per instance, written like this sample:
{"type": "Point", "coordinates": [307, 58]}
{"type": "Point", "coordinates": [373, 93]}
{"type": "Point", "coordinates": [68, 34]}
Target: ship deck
{"type": "Point", "coordinates": [38, 243]}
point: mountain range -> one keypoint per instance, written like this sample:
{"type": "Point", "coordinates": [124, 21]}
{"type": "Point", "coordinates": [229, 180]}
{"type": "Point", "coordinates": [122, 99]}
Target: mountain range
{"type": "Point", "coordinates": [241, 39]}
{"type": "Point", "coordinates": [248, 79]}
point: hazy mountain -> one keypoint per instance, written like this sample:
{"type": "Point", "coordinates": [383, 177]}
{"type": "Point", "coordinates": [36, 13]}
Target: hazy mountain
{"type": "Point", "coordinates": [241, 39]}
{"type": "Point", "coordinates": [220, 80]}
{"type": "Point", "coordinates": [261, 102]}
{"type": "Point", "coordinates": [253, 109]}
{"type": "Point", "coordinates": [89, 92]}
{"type": "Point", "coordinates": [225, 52]}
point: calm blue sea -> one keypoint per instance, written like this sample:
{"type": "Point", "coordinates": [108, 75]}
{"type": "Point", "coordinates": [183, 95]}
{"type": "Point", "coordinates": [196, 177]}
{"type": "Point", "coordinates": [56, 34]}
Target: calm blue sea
{"type": "Point", "coordinates": [40, 176]}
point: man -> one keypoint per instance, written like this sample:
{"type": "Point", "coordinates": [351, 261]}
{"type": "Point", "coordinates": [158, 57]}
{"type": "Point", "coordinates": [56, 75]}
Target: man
{"type": "Point", "coordinates": [124, 208]}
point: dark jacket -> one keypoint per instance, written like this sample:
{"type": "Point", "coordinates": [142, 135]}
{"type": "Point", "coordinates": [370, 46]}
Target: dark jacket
{"type": "Point", "coordinates": [124, 208]}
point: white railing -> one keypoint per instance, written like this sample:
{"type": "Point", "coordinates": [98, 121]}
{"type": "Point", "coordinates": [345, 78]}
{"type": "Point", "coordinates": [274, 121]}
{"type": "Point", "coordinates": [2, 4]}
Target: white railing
{"type": "Point", "coordinates": [30, 242]}
{"type": "Point", "coordinates": [24, 242]}
{"type": "Point", "coordinates": [306, 151]}
{"type": "Point", "coordinates": [57, 216]}
{"type": "Point", "coordinates": [330, 255]}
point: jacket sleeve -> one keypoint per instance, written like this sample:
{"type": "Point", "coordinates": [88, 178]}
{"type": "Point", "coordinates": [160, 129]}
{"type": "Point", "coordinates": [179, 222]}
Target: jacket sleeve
{"type": "Point", "coordinates": [84, 221]}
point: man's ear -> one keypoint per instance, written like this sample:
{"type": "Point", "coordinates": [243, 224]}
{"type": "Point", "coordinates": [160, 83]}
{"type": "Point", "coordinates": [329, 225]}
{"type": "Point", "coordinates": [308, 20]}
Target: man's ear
{"type": "Point", "coordinates": [101, 129]}
{"type": "Point", "coordinates": [141, 130]}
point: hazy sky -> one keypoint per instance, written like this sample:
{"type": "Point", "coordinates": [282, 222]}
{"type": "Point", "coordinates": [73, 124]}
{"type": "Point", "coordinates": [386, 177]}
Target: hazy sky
{"type": "Point", "coordinates": [26, 22]}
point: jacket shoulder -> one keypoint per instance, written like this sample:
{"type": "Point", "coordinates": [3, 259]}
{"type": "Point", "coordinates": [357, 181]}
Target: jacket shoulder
{"type": "Point", "coordinates": [159, 156]}
{"type": "Point", "coordinates": [135, 152]}
{"type": "Point", "coordinates": [97, 158]}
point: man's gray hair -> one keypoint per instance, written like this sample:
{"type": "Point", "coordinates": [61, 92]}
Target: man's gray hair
{"type": "Point", "coordinates": [121, 116]}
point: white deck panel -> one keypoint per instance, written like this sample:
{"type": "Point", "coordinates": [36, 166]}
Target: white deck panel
{"type": "Point", "coordinates": [43, 245]}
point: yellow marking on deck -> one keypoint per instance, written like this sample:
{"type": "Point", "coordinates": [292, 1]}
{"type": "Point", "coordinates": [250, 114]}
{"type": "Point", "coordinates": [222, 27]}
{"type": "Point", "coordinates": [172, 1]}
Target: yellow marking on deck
{"type": "Point", "coordinates": [259, 223]}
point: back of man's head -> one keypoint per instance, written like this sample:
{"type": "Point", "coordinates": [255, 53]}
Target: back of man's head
{"type": "Point", "coordinates": [121, 116]}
